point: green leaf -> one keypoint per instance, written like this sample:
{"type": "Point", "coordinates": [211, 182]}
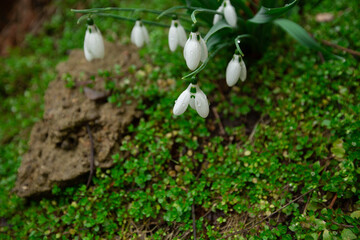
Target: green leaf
{"type": "Point", "coordinates": [338, 149]}
{"type": "Point", "coordinates": [326, 235]}
{"type": "Point", "coordinates": [347, 234]}
{"type": "Point", "coordinates": [265, 15]}
{"type": "Point", "coordinates": [300, 35]}
{"type": "Point", "coordinates": [355, 214]}
{"type": "Point", "coordinates": [217, 27]}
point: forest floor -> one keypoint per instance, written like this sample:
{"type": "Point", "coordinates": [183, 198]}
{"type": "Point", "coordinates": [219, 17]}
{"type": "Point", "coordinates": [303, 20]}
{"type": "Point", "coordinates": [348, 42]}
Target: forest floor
{"type": "Point", "coordinates": [278, 156]}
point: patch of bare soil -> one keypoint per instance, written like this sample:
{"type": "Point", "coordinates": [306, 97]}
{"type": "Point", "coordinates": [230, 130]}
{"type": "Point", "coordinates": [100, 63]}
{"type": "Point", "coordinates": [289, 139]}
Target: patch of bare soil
{"type": "Point", "coordinates": [20, 17]}
{"type": "Point", "coordinates": [60, 146]}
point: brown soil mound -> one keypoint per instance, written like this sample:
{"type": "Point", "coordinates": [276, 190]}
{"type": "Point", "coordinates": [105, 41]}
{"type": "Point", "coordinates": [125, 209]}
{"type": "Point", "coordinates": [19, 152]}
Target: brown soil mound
{"type": "Point", "coordinates": [59, 144]}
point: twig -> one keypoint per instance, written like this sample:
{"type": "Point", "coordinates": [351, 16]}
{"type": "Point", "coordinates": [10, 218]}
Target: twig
{"type": "Point", "coordinates": [321, 57]}
{"type": "Point", "coordinates": [252, 134]}
{"type": "Point", "coordinates": [333, 201]}
{"type": "Point", "coordinates": [306, 205]}
{"type": "Point", "coordinates": [342, 225]}
{"type": "Point", "coordinates": [194, 220]}
{"type": "Point", "coordinates": [272, 214]}
{"type": "Point", "coordinates": [91, 156]}
{"type": "Point", "coordinates": [352, 52]}
{"type": "Point", "coordinates": [222, 130]}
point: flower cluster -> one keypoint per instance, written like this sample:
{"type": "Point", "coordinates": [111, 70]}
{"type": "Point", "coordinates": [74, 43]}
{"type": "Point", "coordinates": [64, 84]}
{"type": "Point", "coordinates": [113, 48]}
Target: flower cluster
{"type": "Point", "coordinates": [195, 51]}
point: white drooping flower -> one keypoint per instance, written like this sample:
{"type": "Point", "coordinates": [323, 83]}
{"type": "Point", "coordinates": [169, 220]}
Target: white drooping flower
{"type": "Point", "coordinates": [139, 34]}
{"type": "Point", "coordinates": [194, 97]}
{"type": "Point", "coordinates": [235, 70]}
{"type": "Point", "coordinates": [93, 42]}
{"type": "Point", "coordinates": [229, 13]}
{"type": "Point", "coordinates": [218, 17]}
{"type": "Point", "coordinates": [195, 50]}
{"type": "Point", "coordinates": [177, 35]}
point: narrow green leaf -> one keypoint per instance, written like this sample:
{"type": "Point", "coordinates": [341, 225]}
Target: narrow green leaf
{"type": "Point", "coordinates": [265, 15]}
{"type": "Point", "coordinates": [300, 35]}
{"type": "Point", "coordinates": [217, 27]}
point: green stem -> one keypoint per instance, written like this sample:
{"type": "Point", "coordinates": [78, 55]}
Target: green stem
{"type": "Point", "coordinates": [94, 10]}
{"type": "Point", "coordinates": [83, 17]}
{"type": "Point", "coordinates": [100, 10]}
{"type": "Point", "coordinates": [237, 41]}
{"type": "Point", "coordinates": [173, 9]}
{"type": "Point", "coordinates": [198, 10]}
{"type": "Point", "coordinates": [131, 19]}
{"type": "Point", "coordinates": [203, 65]}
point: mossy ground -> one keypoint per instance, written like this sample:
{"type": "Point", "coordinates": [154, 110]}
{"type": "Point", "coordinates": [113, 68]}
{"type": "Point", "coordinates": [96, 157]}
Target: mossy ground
{"type": "Point", "coordinates": [291, 127]}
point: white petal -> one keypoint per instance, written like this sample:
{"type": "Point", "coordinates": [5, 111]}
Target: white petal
{"type": "Point", "coordinates": [230, 14]}
{"type": "Point", "coordinates": [192, 102]}
{"type": "Point", "coordinates": [192, 53]}
{"type": "Point", "coordinates": [204, 50]}
{"type": "Point", "coordinates": [93, 43]}
{"type": "Point", "coordinates": [173, 37]}
{"type": "Point", "coordinates": [137, 36]}
{"type": "Point", "coordinates": [243, 71]}
{"type": "Point", "coordinates": [187, 42]}
{"type": "Point", "coordinates": [201, 103]}
{"type": "Point", "coordinates": [233, 72]}
{"type": "Point", "coordinates": [181, 35]}
{"type": "Point", "coordinates": [218, 17]}
{"type": "Point", "coordinates": [88, 55]}
{"type": "Point", "coordinates": [145, 34]}
{"type": "Point", "coordinates": [182, 102]}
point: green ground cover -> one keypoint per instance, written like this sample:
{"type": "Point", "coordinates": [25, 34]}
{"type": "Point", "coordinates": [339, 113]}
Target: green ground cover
{"type": "Point", "coordinates": [306, 138]}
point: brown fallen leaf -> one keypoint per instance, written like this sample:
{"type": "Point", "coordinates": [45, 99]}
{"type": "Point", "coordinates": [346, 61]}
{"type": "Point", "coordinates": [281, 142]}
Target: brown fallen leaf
{"type": "Point", "coordinates": [95, 95]}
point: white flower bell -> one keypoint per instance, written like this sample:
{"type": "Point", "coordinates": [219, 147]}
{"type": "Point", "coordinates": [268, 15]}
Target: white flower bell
{"type": "Point", "coordinates": [177, 35]}
{"type": "Point", "coordinates": [194, 97]}
{"type": "Point", "coordinates": [218, 17]}
{"type": "Point", "coordinates": [235, 69]}
{"type": "Point", "coordinates": [93, 42]}
{"type": "Point", "coordinates": [229, 13]}
{"type": "Point", "coordinates": [195, 49]}
{"type": "Point", "coordinates": [139, 34]}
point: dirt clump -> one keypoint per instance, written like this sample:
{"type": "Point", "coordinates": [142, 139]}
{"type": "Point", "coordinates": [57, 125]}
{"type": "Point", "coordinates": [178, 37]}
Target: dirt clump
{"type": "Point", "coordinates": [59, 147]}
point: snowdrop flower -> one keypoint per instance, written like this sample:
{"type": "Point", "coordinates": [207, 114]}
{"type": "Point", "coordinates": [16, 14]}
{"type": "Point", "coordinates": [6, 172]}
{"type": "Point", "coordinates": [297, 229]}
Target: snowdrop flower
{"type": "Point", "coordinates": [235, 69]}
{"type": "Point", "coordinates": [93, 43]}
{"type": "Point", "coordinates": [194, 97]}
{"type": "Point", "coordinates": [139, 34]}
{"type": "Point", "coordinates": [229, 13]}
{"type": "Point", "coordinates": [177, 35]}
{"type": "Point", "coordinates": [218, 17]}
{"type": "Point", "coordinates": [195, 49]}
